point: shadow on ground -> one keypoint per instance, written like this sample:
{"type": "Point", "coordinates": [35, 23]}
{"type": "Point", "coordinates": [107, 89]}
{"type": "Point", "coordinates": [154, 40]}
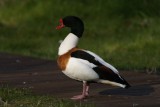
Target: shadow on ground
{"type": "Point", "coordinates": [139, 90]}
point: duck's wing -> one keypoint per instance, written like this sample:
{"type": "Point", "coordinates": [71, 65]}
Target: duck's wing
{"type": "Point", "coordinates": [92, 58]}
{"type": "Point", "coordinates": [106, 72]}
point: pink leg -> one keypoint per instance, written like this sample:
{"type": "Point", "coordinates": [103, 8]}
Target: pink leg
{"type": "Point", "coordinates": [87, 90]}
{"type": "Point", "coordinates": [84, 92]}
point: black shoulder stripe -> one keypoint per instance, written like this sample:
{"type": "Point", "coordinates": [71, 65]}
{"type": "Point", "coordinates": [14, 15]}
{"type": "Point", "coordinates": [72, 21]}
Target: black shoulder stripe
{"type": "Point", "coordinates": [86, 56]}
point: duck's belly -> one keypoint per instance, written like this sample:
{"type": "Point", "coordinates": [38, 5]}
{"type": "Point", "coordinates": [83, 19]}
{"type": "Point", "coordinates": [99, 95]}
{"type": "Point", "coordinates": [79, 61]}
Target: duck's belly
{"type": "Point", "coordinates": [80, 70]}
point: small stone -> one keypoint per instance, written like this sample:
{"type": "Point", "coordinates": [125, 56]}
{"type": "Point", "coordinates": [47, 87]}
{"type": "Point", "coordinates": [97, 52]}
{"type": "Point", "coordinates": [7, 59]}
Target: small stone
{"type": "Point", "coordinates": [24, 82]}
{"type": "Point", "coordinates": [18, 61]}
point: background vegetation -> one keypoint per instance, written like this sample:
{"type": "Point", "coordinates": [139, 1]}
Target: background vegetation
{"type": "Point", "coordinates": [125, 33]}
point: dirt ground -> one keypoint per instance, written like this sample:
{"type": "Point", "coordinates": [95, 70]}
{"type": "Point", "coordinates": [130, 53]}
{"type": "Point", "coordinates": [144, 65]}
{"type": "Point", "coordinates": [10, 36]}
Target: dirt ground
{"type": "Point", "coordinates": [44, 77]}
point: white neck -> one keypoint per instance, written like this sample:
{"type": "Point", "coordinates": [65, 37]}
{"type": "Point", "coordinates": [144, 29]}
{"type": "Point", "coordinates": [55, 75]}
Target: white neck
{"type": "Point", "coordinates": [68, 43]}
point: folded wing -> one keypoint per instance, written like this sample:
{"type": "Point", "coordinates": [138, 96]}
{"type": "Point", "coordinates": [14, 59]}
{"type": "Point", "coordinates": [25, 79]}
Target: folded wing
{"type": "Point", "coordinates": [106, 72]}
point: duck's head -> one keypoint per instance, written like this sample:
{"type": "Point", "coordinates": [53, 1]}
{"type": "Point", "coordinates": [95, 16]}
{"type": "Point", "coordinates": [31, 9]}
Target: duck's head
{"type": "Point", "coordinates": [73, 22]}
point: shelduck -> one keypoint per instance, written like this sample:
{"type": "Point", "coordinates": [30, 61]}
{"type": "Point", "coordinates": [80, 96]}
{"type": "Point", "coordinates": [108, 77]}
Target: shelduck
{"type": "Point", "coordinates": [84, 65]}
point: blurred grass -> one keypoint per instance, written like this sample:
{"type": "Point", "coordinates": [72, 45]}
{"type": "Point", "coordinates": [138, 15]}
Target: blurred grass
{"type": "Point", "coordinates": [125, 33]}
{"type": "Point", "coordinates": [14, 97]}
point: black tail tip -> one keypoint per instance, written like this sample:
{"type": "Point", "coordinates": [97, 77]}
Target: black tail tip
{"type": "Point", "coordinates": [127, 86]}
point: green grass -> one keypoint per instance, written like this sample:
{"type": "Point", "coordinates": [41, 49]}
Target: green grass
{"type": "Point", "coordinates": [14, 97]}
{"type": "Point", "coordinates": [124, 33]}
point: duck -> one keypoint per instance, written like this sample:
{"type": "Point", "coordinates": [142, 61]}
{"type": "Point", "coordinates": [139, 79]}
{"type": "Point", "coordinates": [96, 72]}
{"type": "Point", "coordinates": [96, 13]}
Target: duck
{"type": "Point", "coordinates": [83, 65]}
